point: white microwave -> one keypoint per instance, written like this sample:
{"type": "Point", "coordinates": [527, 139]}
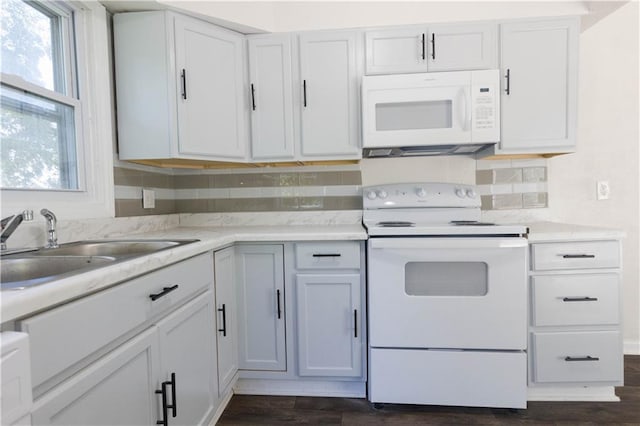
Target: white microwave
{"type": "Point", "coordinates": [430, 113]}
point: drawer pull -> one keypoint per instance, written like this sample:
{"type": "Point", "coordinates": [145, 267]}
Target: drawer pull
{"type": "Point", "coordinates": [579, 299]}
{"type": "Point", "coordinates": [164, 292]}
{"type": "Point", "coordinates": [581, 358]}
{"type": "Point", "coordinates": [326, 255]}
{"type": "Point", "coordinates": [578, 256]}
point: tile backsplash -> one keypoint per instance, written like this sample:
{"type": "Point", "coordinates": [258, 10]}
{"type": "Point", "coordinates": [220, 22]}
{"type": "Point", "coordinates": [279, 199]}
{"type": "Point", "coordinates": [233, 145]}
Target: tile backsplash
{"type": "Point", "coordinates": [512, 184]}
{"type": "Point", "coordinates": [179, 191]}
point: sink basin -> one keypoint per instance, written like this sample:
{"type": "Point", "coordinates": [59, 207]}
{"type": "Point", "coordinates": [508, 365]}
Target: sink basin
{"type": "Point", "coordinates": [117, 248]}
{"type": "Point", "coordinates": [22, 272]}
{"type": "Point", "coordinates": [26, 269]}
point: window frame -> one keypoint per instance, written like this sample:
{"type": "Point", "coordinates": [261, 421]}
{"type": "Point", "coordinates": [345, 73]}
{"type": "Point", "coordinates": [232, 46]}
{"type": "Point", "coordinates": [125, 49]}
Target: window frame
{"type": "Point", "coordinates": [92, 99]}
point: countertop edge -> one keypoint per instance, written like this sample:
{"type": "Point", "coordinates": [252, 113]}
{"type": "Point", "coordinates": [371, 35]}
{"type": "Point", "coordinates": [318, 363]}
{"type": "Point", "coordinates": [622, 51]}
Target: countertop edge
{"type": "Point", "coordinates": [16, 304]}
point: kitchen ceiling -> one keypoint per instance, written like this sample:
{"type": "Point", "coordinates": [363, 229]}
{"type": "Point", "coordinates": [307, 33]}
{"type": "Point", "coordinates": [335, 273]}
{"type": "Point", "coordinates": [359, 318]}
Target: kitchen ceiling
{"type": "Point", "coordinates": [252, 17]}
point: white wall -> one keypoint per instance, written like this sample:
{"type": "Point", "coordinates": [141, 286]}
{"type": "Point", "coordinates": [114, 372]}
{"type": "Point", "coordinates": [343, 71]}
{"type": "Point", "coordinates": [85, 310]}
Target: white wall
{"type": "Point", "coordinates": [607, 148]}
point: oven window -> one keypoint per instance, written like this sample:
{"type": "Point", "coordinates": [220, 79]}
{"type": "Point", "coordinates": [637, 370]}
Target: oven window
{"type": "Point", "coordinates": [414, 115]}
{"type": "Point", "coordinates": [446, 279]}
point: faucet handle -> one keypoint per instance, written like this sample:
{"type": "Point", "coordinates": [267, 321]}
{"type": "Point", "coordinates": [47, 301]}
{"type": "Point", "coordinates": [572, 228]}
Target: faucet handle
{"type": "Point", "coordinates": [27, 215]}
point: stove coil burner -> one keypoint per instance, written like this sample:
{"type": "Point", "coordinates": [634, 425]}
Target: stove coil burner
{"type": "Point", "coordinates": [395, 224]}
{"type": "Point", "coordinates": [470, 223]}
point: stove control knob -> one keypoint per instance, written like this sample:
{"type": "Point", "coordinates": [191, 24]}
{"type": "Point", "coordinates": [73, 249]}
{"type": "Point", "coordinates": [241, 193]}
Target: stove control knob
{"type": "Point", "coordinates": [420, 192]}
{"type": "Point", "coordinates": [460, 192]}
{"type": "Point", "coordinates": [382, 194]}
{"type": "Point", "coordinates": [471, 193]}
{"type": "Point", "coordinates": [371, 195]}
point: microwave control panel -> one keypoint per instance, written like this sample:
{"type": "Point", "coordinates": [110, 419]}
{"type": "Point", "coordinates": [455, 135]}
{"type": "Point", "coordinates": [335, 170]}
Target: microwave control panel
{"type": "Point", "coordinates": [485, 104]}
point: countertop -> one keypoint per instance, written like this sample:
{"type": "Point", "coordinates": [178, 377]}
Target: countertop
{"type": "Point", "coordinates": [540, 232]}
{"type": "Point", "coordinates": [20, 303]}
{"type": "Point", "coordinates": [15, 304]}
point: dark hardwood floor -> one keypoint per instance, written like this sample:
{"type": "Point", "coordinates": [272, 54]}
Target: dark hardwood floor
{"type": "Point", "coordinates": [279, 410]}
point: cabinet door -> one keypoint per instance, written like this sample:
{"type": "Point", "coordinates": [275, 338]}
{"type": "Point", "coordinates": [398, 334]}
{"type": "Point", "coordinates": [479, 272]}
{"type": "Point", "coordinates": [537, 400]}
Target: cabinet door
{"type": "Point", "coordinates": [396, 51]}
{"type": "Point", "coordinates": [119, 389]}
{"type": "Point", "coordinates": [539, 62]}
{"type": "Point", "coordinates": [226, 317]}
{"type": "Point", "coordinates": [210, 75]}
{"type": "Point", "coordinates": [462, 47]}
{"type": "Point", "coordinates": [330, 100]}
{"type": "Point", "coordinates": [329, 325]}
{"type": "Point", "coordinates": [261, 313]}
{"type": "Point", "coordinates": [271, 97]}
{"type": "Point", "coordinates": [188, 351]}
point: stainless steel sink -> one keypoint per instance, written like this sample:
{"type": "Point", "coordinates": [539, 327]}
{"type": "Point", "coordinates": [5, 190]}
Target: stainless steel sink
{"type": "Point", "coordinates": [117, 248]}
{"type": "Point", "coordinates": [23, 271]}
{"type": "Point", "coordinates": [26, 269]}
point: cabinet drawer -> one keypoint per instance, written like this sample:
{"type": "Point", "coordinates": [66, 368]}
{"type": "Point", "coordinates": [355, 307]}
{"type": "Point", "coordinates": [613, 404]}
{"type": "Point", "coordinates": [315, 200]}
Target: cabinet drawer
{"type": "Point", "coordinates": [65, 335]}
{"type": "Point", "coordinates": [587, 299]}
{"type": "Point", "coordinates": [575, 255]}
{"type": "Point", "coordinates": [594, 356]}
{"type": "Point", "coordinates": [328, 255]}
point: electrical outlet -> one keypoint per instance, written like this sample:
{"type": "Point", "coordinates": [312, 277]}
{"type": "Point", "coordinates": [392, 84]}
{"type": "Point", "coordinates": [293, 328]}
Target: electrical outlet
{"type": "Point", "coordinates": [148, 199]}
{"type": "Point", "coordinates": [603, 190]}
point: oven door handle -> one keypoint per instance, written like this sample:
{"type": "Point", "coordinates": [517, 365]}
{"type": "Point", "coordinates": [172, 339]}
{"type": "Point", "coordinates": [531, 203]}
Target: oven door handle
{"type": "Point", "coordinates": [446, 243]}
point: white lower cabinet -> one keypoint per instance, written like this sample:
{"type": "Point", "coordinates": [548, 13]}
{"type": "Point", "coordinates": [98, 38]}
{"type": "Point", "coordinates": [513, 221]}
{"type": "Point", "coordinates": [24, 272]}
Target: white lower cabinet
{"type": "Point", "coordinates": [188, 358]}
{"type": "Point", "coordinates": [575, 304]}
{"type": "Point", "coordinates": [302, 325]}
{"type": "Point", "coordinates": [166, 374]}
{"type": "Point", "coordinates": [261, 310]}
{"type": "Point", "coordinates": [329, 325]}
{"type": "Point", "coordinates": [144, 352]}
{"type": "Point", "coordinates": [226, 317]}
{"type": "Point", "coordinates": [119, 389]}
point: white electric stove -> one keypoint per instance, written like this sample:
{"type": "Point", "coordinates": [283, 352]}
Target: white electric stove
{"type": "Point", "coordinates": [447, 299]}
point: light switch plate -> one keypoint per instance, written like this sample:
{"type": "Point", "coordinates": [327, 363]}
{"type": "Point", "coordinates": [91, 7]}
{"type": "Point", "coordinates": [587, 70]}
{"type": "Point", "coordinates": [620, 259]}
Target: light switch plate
{"type": "Point", "coordinates": [603, 190]}
{"type": "Point", "coordinates": [148, 199]}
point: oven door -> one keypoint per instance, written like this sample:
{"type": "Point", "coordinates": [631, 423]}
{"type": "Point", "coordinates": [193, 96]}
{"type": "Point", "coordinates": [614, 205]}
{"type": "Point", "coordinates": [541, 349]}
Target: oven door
{"type": "Point", "coordinates": [456, 293]}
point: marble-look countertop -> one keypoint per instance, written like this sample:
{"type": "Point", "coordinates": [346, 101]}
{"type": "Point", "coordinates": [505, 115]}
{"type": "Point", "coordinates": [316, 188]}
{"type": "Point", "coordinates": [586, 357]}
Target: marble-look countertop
{"type": "Point", "coordinates": [540, 232]}
{"type": "Point", "coordinates": [15, 304]}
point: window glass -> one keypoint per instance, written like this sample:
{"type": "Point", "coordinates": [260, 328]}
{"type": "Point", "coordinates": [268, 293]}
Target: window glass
{"type": "Point", "coordinates": [38, 110]}
{"type": "Point", "coordinates": [27, 48]}
{"type": "Point", "coordinates": [38, 149]}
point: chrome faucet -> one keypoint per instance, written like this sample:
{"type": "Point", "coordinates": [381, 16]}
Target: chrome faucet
{"type": "Point", "coordinates": [52, 238]}
{"type": "Point", "coordinates": [10, 224]}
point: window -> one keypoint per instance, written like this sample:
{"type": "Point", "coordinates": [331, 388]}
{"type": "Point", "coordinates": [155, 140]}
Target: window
{"type": "Point", "coordinates": [40, 112]}
{"type": "Point", "coordinates": [56, 133]}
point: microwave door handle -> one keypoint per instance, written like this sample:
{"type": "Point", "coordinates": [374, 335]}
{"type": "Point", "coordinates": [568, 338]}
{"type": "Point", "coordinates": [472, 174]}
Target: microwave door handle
{"type": "Point", "coordinates": [464, 109]}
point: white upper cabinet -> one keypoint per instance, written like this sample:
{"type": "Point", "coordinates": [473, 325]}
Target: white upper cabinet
{"type": "Point", "coordinates": [462, 47]}
{"type": "Point", "coordinates": [180, 88]}
{"type": "Point", "coordinates": [210, 107]}
{"type": "Point", "coordinates": [270, 79]}
{"type": "Point", "coordinates": [398, 50]}
{"type": "Point", "coordinates": [539, 65]}
{"type": "Point", "coordinates": [329, 89]}
{"type": "Point", "coordinates": [438, 47]}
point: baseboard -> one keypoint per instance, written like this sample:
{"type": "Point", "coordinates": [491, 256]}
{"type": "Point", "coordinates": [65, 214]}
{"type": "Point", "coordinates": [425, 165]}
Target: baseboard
{"type": "Point", "coordinates": [221, 407]}
{"type": "Point", "coordinates": [300, 388]}
{"type": "Point", "coordinates": [631, 347]}
{"type": "Point", "coordinates": [578, 393]}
